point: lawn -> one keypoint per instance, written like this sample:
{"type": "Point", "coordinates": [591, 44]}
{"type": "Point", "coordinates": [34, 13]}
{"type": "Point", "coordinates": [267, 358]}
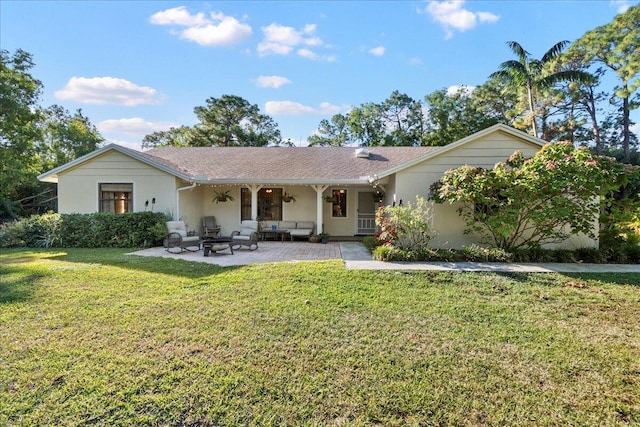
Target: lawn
{"type": "Point", "coordinates": [98, 337]}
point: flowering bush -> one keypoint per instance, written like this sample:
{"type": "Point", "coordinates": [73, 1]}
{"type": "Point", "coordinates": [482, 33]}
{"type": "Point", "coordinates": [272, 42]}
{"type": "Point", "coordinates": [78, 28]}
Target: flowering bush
{"type": "Point", "coordinates": [525, 203]}
{"type": "Point", "coordinates": [406, 227]}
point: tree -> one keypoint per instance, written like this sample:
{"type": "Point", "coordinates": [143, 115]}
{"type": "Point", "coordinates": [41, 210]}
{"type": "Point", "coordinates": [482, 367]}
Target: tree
{"type": "Point", "coordinates": [233, 121]}
{"type": "Point", "coordinates": [403, 120]}
{"type": "Point", "coordinates": [174, 137]}
{"type": "Point", "coordinates": [333, 133]}
{"type": "Point", "coordinates": [19, 131]}
{"type": "Point", "coordinates": [534, 74]}
{"type": "Point", "coordinates": [366, 125]}
{"type": "Point", "coordinates": [615, 45]}
{"type": "Point", "coordinates": [453, 116]}
{"type": "Point", "coordinates": [528, 203]}
{"type": "Point", "coordinates": [68, 137]}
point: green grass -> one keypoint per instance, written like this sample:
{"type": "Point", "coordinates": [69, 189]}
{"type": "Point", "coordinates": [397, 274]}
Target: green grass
{"type": "Point", "coordinates": [97, 337]}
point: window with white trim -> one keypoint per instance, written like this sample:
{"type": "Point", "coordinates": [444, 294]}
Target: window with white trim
{"type": "Point", "coordinates": [116, 198]}
{"type": "Point", "coordinates": [339, 205]}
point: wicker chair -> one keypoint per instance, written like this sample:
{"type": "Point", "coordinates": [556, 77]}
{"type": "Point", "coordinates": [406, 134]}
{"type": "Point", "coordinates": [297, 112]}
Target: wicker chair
{"type": "Point", "coordinates": [210, 227]}
{"type": "Point", "coordinates": [246, 236]}
{"type": "Point", "coordinates": [177, 237]}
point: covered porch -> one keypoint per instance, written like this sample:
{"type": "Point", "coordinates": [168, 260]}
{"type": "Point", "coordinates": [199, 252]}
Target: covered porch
{"type": "Point", "coordinates": [343, 210]}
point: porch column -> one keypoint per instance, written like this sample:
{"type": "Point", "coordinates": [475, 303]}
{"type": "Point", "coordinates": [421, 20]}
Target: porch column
{"type": "Point", "coordinates": [254, 200]}
{"type": "Point", "coordinates": [319, 216]}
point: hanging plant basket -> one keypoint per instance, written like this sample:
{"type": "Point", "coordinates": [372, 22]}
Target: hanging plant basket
{"type": "Point", "coordinates": [222, 197]}
{"type": "Point", "coordinates": [288, 198]}
{"type": "Point", "coordinates": [328, 199]}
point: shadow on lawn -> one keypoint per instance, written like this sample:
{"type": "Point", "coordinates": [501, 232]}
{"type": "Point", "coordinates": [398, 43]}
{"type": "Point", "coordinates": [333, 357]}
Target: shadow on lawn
{"type": "Point", "coordinates": [17, 289]}
{"type": "Point", "coordinates": [119, 258]}
{"type": "Point", "coordinates": [632, 279]}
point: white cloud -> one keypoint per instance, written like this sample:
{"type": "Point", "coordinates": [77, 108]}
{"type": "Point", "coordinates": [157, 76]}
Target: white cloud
{"type": "Point", "coordinates": [178, 16]}
{"type": "Point", "coordinates": [621, 5]}
{"type": "Point", "coordinates": [468, 90]}
{"type": "Point", "coordinates": [216, 30]}
{"type": "Point", "coordinates": [282, 40]}
{"type": "Point", "coordinates": [287, 108]}
{"type": "Point", "coordinates": [272, 81]}
{"type": "Point", "coordinates": [107, 90]}
{"type": "Point", "coordinates": [377, 51]}
{"type": "Point", "coordinates": [487, 17]}
{"type": "Point", "coordinates": [453, 16]}
{"type": "Point", "coordinates": [328, 108]}
{"type": "Point", "coordinates": [307, 53]}
{"type": "Point", "coordinates": [133, 126]}
{"type": "Point", "coordinates": [290, 108]}
{"type": "Point", "coordinates": [415, 61]}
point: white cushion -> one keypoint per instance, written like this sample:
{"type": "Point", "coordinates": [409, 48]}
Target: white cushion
{"type": "Point", "coordinates": [305, 224]}
{"type": "Point", "coordinates": [177, 227]}
{"type": "Point", "coordinates": [241, 237]}
{"type": "Point", "coordinates": [287, 225]}
{"type": "Point", "coordinates": [244, 231]}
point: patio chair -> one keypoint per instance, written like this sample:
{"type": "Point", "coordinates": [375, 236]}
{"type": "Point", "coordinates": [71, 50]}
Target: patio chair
{"type": "Point", "coordinates": [177, 237]}
{"type": "Point", "coordinates": [246, 236]}
{"type": "Point", "coordinates": [210, 227]}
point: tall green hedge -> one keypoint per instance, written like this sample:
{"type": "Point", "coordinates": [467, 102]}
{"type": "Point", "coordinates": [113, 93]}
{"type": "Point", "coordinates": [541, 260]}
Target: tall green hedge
{"type": "Point", "coordinates": [99, 230]}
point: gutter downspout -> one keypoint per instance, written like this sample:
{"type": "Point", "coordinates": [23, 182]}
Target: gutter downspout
{"type": "Point", "coordinates": [178, 190]}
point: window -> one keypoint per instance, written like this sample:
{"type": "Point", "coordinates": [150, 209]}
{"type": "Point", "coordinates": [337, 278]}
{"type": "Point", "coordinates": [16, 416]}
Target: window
{"type": "Point", "coordinates": [269, 204]}
{"type": "Point", "coordinates": [339, 205]}
{"type": "Point", "coordinates": [116, 198]}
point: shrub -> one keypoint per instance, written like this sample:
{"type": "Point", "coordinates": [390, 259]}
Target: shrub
{"type": "Point", "coordinates": [99, 230]}
{"type": "Point", "coordinates": [406, 227]}
{"type": "Point", "coordinates": [475, 253]}
{"type": "Point", "coordinates": [370, 242]}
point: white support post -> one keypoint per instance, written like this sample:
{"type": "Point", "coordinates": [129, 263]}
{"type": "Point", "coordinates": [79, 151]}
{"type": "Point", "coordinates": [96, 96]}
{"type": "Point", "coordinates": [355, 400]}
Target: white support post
{"type": "Point", "coordinates": [254, 200]}
{"type": "Point", "coordinates": [319, 215]}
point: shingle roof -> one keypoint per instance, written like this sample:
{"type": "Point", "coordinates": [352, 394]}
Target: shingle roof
{"type": "Point", "coordinates": [283, 164]}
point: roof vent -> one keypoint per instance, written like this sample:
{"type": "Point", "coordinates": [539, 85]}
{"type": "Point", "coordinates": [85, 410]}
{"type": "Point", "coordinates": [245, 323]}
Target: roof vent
{"type": "Point", "coordinates": [362, 153]}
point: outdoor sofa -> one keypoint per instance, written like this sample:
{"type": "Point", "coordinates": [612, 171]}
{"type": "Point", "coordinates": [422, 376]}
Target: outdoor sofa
{"type": "Point", "coordinates": [296, 228]}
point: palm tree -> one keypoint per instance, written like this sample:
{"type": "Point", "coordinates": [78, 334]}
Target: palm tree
{"type": "Point", "coordinates": [533, 73]}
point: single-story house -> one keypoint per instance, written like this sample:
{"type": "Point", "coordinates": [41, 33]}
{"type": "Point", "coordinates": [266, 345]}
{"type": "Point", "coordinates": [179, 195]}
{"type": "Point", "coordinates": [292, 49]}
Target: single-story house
{"type": "Point", "coordinates": [335, 187]}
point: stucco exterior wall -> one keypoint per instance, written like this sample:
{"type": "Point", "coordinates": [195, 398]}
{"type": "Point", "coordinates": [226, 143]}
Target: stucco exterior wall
{"type": "Point", "coordinates": [78, 188]}
{"type": "Point", "coordinates": [483, 152]}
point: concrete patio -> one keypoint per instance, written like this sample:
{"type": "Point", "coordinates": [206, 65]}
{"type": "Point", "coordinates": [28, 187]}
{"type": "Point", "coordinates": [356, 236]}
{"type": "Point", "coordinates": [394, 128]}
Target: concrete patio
{"type": "Point", "coordinates": [356, 256]}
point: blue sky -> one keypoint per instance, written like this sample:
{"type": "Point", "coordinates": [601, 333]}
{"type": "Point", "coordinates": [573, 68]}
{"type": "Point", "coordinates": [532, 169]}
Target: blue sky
{"type": "Point", "coordinates": [135, 67]}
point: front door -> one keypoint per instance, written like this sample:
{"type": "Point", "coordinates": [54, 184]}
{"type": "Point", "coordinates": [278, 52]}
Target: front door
{"type": "Point", "coordinates": [366, 213]}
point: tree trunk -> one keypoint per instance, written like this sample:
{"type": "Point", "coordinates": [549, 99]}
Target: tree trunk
{"type": "Point", "coordinates": [625, 124]}
{"type": "Point", "coordinates": [591, 107]}
{"type": "Point", "coordinates": [533, 111]}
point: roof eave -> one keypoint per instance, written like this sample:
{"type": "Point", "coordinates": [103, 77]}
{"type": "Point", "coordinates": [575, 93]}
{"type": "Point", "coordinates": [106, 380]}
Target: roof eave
{"type": "Point", "coordinates": [249, 181]}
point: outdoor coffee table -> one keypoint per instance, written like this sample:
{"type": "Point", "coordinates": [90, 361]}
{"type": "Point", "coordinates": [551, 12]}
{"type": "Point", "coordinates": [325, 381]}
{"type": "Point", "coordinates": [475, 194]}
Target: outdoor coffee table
{"type": "Point", "coordinates": [279, 233]}
{"type": "Point", "coordinates": [216, 244]}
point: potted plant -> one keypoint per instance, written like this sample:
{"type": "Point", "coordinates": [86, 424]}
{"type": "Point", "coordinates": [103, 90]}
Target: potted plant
{"type": "Point", "coordinates": [324, 238]}
{"type": "Point", "coordinates": [378, 196]}
{"type": "Point", "coordinates": [328, 199]}
{"type": "Point", "coordinates": [221, 197]}
{"type": "Point", "coordinates": [288, 198]}
{"type": "Point", "coordinates": [314, 238]}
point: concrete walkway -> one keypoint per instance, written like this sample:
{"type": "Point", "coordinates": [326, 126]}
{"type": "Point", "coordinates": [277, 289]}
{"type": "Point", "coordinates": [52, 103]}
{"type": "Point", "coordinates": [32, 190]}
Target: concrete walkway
{"type": "Point", "coordinates": [357, 257]}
